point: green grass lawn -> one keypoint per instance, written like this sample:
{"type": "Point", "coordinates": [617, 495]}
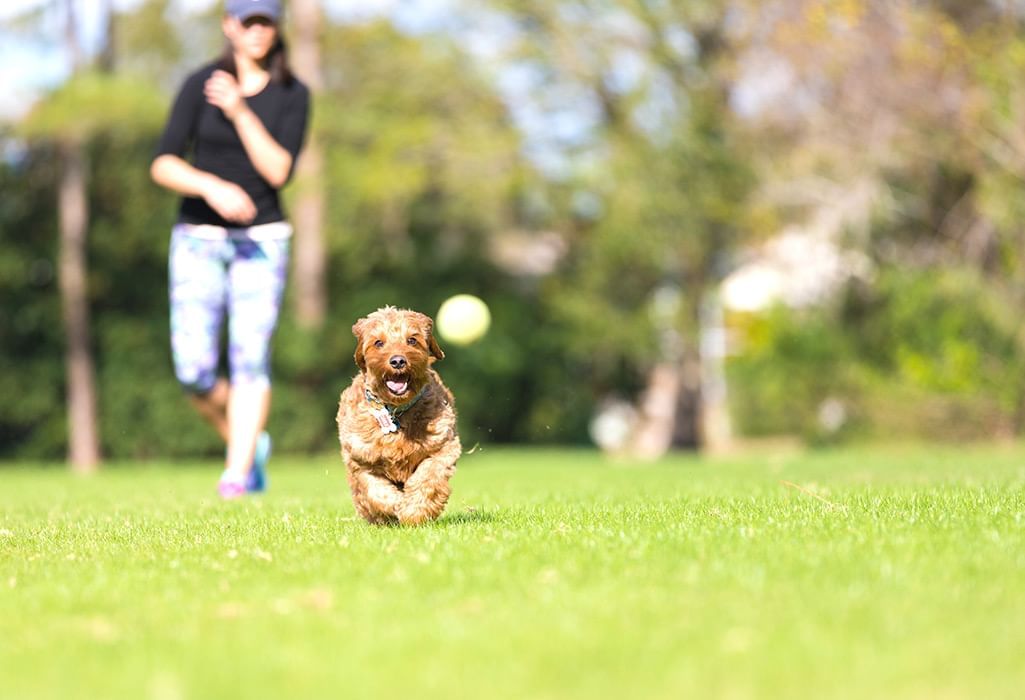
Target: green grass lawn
{"type": "Point", "coordinates": [893, 572]}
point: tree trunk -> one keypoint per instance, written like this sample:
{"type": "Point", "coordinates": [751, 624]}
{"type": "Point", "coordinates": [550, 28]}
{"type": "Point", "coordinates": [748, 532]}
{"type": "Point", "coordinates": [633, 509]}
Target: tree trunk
{"type": "Point", "coordinates": [684, 404]}
{"type": "Point", "coordinates": [108, 56]}
{"type": "Point", "coordinates": [73, 214]}
{"type": "Point", "coordinates": [657, 412]}
{"type": "Point", "coordinates": [71, 43]}
{"type": "Point", "coordinates": [73, 218]}
{"type": "Point", "coordinates": [309, 259]}
{"type": "Point", "coordinates": [688, 427]}
{"type": "Point", "coordinates": [713, 423]}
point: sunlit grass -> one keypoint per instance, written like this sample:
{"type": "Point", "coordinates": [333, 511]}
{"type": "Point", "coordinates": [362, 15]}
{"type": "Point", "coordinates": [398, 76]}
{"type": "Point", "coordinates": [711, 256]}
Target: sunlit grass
{"type": "Point", "coordinates": [554, 574]}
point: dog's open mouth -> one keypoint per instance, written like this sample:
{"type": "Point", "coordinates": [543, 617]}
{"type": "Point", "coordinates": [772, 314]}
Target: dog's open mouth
{"type": "Point", "coordinates": [398, 385]}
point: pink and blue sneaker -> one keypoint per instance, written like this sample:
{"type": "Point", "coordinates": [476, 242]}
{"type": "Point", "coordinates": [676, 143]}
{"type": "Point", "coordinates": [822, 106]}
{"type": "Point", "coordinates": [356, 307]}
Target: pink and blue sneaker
{"type": "Point", "coordinates": [257, 480]}
{"type": "Point", "coordinates": [230, 489]}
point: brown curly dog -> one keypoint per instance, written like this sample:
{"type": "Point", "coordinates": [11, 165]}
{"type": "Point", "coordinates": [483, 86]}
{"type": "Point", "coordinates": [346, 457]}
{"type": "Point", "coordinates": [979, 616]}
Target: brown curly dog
{"type": "Point", "coordinates": [397, 421]}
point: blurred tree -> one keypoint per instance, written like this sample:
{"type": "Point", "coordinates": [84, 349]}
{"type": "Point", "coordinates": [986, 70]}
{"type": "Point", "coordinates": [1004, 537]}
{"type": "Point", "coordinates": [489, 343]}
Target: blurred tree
{"type": "Point", "coordinates": [310, 257]}
{"type": "Point", "coordinates": [83, 431]}
{"type": "Point", "coordinates": [422, 166]}
{"type": "Point", "coordinates": [146, 43]}
{"type": "Point", "coordinates": [652, 125]}
{"type": "Point", "coordinates": [916, 106]}
{"type": "Point", "coordinates": [655, 201]}
{"type": "Point", "coordinates": [88, 103]}
{"type": "Point", "coordinates": [31, 334]}
{"type": "Point", "coordinates": [409, 131]}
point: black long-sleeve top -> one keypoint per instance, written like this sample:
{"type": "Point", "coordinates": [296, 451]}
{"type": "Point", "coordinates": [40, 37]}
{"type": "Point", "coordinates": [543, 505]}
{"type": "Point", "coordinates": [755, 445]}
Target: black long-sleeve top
{"type": "Point", "coordinates": [198, 126]}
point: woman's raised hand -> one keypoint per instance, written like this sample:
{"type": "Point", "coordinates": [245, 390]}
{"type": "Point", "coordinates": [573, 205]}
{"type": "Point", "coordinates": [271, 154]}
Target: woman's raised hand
{"type": "Point", "coordinates": [223, 91]}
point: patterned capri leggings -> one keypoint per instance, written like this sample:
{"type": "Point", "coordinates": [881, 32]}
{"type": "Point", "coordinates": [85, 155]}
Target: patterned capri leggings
{"type": "Point", "coordinates": [213, 271]}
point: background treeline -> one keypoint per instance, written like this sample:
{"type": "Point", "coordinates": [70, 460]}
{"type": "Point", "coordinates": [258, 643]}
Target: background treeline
{"type": "Point", "coordinates": [595, 171]}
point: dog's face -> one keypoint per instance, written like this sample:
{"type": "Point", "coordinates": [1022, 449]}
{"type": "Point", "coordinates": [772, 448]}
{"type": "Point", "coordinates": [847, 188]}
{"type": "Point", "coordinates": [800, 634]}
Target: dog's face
{"type": "Point", "coordinates": [395, 349]}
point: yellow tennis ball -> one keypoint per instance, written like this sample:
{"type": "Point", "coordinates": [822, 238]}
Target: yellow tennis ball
{"type": "Point", "coordinates": [463, 319]}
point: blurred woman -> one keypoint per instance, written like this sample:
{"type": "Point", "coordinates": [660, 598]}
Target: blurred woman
{"type": "Point", "coordinates": [241, 120]}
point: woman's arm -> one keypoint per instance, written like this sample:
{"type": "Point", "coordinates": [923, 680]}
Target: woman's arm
{"type": "Point", "coordinates": [226, 198]}
{"type": "Point", "coordinates": [172, 171]}
{"type": "Point", "coordinates": [270, 159]}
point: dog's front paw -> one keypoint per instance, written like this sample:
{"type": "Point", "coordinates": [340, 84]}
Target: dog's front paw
{"type": "Point", "coordinates": [413, 519]}
{"type": "Point", "coordinates": [423, 502]}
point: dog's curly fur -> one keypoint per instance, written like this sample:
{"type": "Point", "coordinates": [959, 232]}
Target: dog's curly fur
{"type": "Point", "coordinates": [402, 476]}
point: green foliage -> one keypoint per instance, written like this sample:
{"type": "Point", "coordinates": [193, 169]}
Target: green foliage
{"type": "Point", "coordinates": [96, 103]}
{"type": "Point", "coordinates": [789, 364]}
{"type": "Point", "coordinates": [412, 209]}
{"type": "Point", "coordinates": [668, 214]}
{"type": "Point", "coordinates": [31, 374]}
{"type": "Point", "coordinates": [661, 185]}
{"type": "Point", "coordinates": [931, 354]}
{"type": "Point", "coordinates": [147, 44]}
{"type": "Point", "coordinates": [930, 347]}
{"type": "Point", "coordinates": [415, 143]}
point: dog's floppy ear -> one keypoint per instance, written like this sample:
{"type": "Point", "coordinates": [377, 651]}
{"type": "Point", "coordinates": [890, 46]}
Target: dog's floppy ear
{"type": "Point", "coordinates": [357, 330]}
{"type": "Point", "coordinates": [433, 344]}
{"type": "Point", "coordinates": [427, 325]}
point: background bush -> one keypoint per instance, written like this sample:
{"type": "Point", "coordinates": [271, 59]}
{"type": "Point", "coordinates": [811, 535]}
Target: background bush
{"type": "Point", "coordinates": [915, 354]}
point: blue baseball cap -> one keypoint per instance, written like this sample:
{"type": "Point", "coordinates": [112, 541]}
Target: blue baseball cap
{"type": "Point", "coordinates": [244, 9]}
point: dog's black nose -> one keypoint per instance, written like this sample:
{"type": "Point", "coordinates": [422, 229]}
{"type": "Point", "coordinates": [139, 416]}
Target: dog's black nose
{"type": "Point", "coordinates": [397, 362]}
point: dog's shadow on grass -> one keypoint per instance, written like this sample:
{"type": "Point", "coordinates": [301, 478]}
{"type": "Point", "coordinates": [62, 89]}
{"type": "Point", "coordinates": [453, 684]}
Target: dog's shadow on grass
{"type": "Point", "coordinates": [466, 517]}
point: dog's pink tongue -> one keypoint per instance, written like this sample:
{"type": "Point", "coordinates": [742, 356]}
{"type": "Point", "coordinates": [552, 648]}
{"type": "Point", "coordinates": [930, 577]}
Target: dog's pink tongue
{"type": "Point", "coordinates": [397, 386]}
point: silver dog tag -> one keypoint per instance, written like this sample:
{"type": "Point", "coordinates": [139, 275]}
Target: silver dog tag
{"type": "Point", "coordinates": [384, 419]}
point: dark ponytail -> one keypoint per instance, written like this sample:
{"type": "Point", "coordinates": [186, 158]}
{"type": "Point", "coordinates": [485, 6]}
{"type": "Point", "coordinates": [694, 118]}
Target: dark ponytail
{"type": "Point", "coordinates": [277, 63]}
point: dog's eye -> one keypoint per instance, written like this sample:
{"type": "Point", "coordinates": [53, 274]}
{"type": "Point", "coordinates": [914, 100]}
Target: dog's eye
{"type": "Point", "coordinates": [378, 343]}
{"type": "Point", "coordinates": [411, 341]}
